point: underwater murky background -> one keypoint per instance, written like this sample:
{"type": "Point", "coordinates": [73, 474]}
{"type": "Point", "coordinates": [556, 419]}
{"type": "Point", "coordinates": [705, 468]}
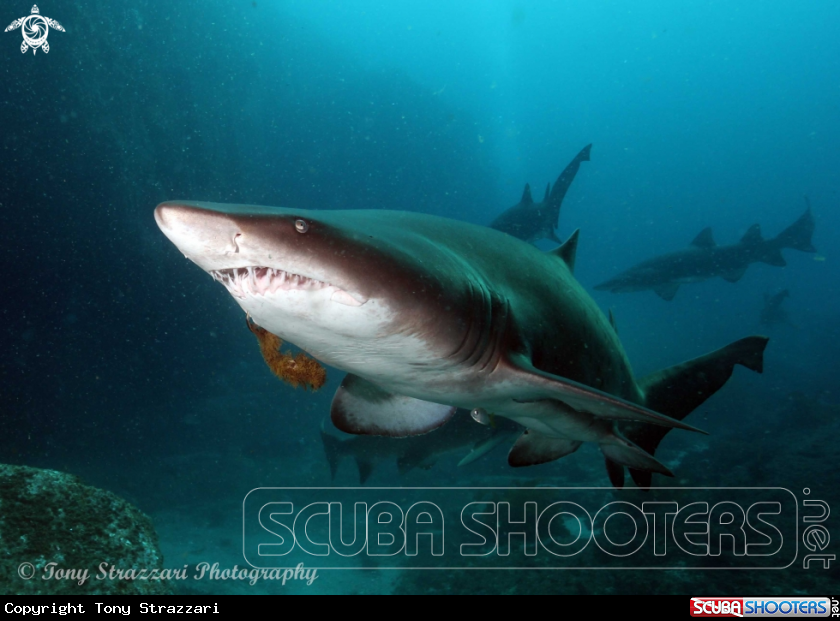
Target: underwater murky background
{"type": "Point", "coordinates": [124, 364]}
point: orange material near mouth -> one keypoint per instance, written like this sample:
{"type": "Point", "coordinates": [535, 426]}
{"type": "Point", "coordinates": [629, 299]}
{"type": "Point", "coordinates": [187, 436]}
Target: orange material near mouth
{"type": "Point", "coordinates": [296, 370]}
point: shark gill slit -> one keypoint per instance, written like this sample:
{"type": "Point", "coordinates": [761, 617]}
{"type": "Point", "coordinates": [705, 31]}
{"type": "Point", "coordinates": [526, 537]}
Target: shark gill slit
{"type": "Point", "coordinates": [480, 342]}
{"type": "Point", "coordinates": [500, 318]}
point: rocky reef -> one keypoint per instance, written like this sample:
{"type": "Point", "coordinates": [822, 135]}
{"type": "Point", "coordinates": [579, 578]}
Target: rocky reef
{"type": "Point", "coordinates": [53, 527]}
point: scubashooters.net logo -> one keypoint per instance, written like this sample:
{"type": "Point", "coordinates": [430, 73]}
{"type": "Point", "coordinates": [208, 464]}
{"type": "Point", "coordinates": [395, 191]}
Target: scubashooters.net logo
{"type": "Point", "coordinates": [548, 528]}
{"type": "Point", "coordinates": [35, 28]}
{"type": "Point", "coordinates": [789, 607]}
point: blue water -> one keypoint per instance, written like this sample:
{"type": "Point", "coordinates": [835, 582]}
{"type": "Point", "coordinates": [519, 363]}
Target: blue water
{"type": "Point", "coordinates": [125, 364]}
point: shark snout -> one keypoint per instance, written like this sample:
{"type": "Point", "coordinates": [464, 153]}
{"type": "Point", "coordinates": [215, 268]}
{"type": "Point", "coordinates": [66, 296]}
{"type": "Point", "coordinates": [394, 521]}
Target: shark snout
{"type": "Point", "coordinates": [258, 250]}
{"type": "Point", "coordinates": [207, 238]}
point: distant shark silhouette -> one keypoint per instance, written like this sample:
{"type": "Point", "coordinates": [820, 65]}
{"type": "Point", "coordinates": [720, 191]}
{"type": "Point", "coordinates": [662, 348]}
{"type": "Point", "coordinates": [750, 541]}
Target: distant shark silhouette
{"type": "Point", "coordinates": [773, 313]}
{"type": "Point", "coordinates": [460, 435]}
{"type": "Point", "coordinates": [530, 221]}
{"type": "Point", "coordinates": [704, 259]}
{"type": "Point", "coordinates": [429, 314]}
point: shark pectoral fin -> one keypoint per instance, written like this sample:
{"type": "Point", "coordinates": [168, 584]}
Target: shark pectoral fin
{"type": "Point", "coordinates": [542, 385]}
{"type": "Point", "coordinates": [534, 448]}
{"type": "Point", "coordinates": [362, 408]}
{"type": "Point", "coordinates": [484, 447]}
{"type": "Point", "coordinates": [668, 291]}
{"type": "Point", "coordinates": [734, 275]}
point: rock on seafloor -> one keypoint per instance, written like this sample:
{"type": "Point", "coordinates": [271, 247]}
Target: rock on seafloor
{"type": "Point", "coordinates": [51, 517]}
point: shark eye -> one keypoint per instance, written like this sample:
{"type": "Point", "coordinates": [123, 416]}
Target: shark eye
{"type": "Point", "coordinates": [301, 226]}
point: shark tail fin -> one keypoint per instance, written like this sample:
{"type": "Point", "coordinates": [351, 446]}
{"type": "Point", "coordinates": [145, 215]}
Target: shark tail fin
{"type": "Point", "coordinates": [561, 185]}
{"type": "Point", "coordinates": [798, 235]}
{"type": "Point", "coordinates": [679, 390]}
{"type": "Point", "coordinates": [332, 449]}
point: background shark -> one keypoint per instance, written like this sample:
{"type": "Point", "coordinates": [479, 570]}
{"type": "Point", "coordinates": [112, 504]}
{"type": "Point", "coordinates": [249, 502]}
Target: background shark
{"type": "Point", "coordinates": [461, 435]}
{"type": "Point", "coordinates": [428, 314]}
{"type": "Point", "coordinates": [704, 259]}
{"type": "Point", "coordinates": [532, 221]}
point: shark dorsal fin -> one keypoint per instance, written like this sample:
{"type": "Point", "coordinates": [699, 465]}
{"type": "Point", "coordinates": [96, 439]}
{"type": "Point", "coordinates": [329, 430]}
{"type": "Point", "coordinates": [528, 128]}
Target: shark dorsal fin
{"type": "Point", "coordinates": [568, 250]}
{"type": "Point", "coordinates": [547, 193]}
{"type": "Point", "coordinates": [612, 322]}
{"type": "Point", "coordinates": [526, 196]}
{"type": "Point", "coordinates": [704, 239]}
{"type": "Point", "coordinates": [753, 235]}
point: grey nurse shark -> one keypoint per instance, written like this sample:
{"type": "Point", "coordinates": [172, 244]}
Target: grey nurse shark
{"type": "Point", "coordinates": [532, 221]}
{"type": "Point", "coordinates": [428, 314]}
{"type": "Point", "coordinates": [704, 259]}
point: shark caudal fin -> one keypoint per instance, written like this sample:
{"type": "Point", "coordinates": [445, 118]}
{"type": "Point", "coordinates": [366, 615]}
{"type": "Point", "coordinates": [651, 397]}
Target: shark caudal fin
{"type": "Point", "coordinates": [798, 235]}
{"type": "Point", "coordinates": [332, 449]}
{"type": "Point", "coordinates": [679, 390]}
{"type": "Point", "coordinates": [554, 199]}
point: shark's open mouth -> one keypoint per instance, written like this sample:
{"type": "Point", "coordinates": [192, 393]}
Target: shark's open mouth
{"type": "Point", "coordinates": [243, 281]}
{"type": "Point", "coordinates": [263, 280]}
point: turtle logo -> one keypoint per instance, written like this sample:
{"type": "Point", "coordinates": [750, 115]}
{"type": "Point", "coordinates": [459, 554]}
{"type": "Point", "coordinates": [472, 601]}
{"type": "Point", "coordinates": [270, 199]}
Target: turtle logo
{"type": "Point", "coordinates": [35, 28]}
